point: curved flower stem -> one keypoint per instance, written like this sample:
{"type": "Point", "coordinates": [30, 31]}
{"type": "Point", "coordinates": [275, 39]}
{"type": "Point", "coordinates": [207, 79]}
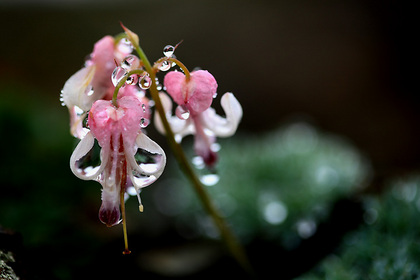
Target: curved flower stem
{"type": "Point", "coordinates": [122, 82]}
{"type": "Point", "coordinates": [230, 240]}
{"type": "Point", "coordinates": [179, 63]}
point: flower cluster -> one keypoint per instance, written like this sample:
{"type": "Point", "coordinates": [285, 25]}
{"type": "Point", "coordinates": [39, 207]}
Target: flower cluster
{"type": "Point", "coordinates": [110, 108]}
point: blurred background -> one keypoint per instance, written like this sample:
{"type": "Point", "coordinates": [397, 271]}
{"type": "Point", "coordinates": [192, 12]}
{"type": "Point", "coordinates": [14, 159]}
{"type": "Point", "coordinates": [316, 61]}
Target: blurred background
{"type": "Point", "coordinates": [324, 163]}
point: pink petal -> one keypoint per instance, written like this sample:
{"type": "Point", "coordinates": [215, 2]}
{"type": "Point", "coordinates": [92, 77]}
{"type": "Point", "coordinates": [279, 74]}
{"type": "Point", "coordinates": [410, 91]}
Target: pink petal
{"type": "Point", "coordinates": [105, 120]}
{"type": "Point", "coordinates": [196, 94]}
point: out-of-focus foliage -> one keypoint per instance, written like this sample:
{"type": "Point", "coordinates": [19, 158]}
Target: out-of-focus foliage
{"type": "Point", "coordinates": [387, 246]}
{"type": "Point", "coordinates": [277, 186]}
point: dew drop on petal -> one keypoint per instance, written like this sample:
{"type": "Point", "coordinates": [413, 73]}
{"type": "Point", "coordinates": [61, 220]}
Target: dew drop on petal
{"type": "Point", "coordinates": [90, 163]}
{"type": "Point", "coordinates": [125, 46]}
{"type": "Point", "coordinates": [165, 65]}
{"type": "Point", "coordinates": [145, 82]}
{"type": "Point", "coordinates": [89, 90]}
{"type": "Point", "coordinates": [130, 61]}
{"type": "Point", "coordinates": [182, 112]}
{"type": "Point", "coordinates": [117, 75]}
{"type": "Point", "coordinates": [144, 122]}
{"type": "Point", "coordinates": [168, 50]}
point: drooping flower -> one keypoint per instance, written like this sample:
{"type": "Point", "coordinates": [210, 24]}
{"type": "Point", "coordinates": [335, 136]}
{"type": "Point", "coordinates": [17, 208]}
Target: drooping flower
{"type": "Point", "coordinates": [92, 82]}
{"type": "Point", "coordinates": [194, 114]}
{"type": "Point", "coordinates": [128, 158]}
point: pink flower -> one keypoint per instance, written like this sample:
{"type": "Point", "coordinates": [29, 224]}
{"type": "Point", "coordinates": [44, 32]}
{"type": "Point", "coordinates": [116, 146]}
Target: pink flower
{"type": "Point", "coordinates": [92, 82]}
{"type": "Point", "coordinates": [194, 114]}
{"type": "Point", "coordinates": [128, 158]}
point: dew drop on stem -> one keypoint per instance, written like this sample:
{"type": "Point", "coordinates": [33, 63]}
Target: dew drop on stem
{"type": "Point", "coordinates": [117, 75]}
{"type": "Point", "coordinates": [168, 50]}
{"type": "Point", "coordinates": [165, 65]}
{"type": "Point", "coordinates": [145, 82]}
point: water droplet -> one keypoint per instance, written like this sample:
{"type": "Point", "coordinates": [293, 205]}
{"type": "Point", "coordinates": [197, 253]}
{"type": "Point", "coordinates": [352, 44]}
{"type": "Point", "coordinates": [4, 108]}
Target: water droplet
{"type": "Point", "coordinates": [215, 95]}
{"type": "Point", "coordinates": [165, 65]}
{"type": "Point", "coordinates": [132, 80]}
{"type": "Point", "coordinates": [130, 62]}
{"type": "Point", "coordinates": [144, 122]}
{"type": "Point", "coordinates": [143, 106]}
{"type": "Point", "coordinates": [117, 75]}
{"type": "Point", "coordinates": [178, 138]}
{"type": "Point", "coordinates": [89, 91]}
{"type": "Point", "coordinates": [62, 99]}
{"type": "Point", "coordinates": [168, 50]}
{"type": "Point", "coordinates": [145, 82]}
{"type": "Point", "coordinates": [90, 163]}
{"type": "Point", "coordinates": [125, 46]}
{"type": "Point", "coordinates": [150, 163]}
{"type": "Point", "coordinates": [209, 179]}
{"type": "Point", "coordinates": [198, 162]}
{"type": "Point", "coordinates": [182, 112]}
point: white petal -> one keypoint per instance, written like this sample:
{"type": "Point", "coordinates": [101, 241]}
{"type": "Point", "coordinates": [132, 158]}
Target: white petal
{"type": "Point", "coordinates": [84, 146]}
{"type": "Point", "coordinates": [178, 126]}
{"type": "Point", "coordinates": [77, 116]}
{"type": "Point", "coordinates": [75, 89]}
{"type": "Point", "coordinates": [145, 173]}
{"type": "Point", "coordinates": [224, 127]}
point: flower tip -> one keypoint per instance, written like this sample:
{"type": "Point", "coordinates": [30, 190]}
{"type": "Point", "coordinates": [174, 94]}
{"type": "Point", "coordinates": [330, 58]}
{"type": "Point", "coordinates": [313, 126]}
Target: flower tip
{"type": "Point", "coordinates": [133, 37]}
{"type": "Point", "coordinates": [126, 252]}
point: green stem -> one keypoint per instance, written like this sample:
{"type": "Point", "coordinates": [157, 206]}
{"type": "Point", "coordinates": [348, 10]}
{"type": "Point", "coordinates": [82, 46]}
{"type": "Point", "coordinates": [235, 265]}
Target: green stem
{"type": "Point", "coordinates": [230, 240]}
{"type": "Point", "coordinates": [179, 63]}
{"type": "Point", "coordinates": [122, 82]}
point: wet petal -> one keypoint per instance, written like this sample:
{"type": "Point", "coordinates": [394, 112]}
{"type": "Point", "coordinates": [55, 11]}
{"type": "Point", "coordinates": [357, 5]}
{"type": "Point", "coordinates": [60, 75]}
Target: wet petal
{"type": "Point", "coordinates": [147, 163]}
{"type": "Point", "coordinates": [81, 163]}
{"type": "Point", "coordinates": [202, 148]}
{"type": "Point", "coordinates": [196, 94]}
{"type": "Point", "coordinates": [109, 213]}
{"type": "Point", "coordinates": [77, 117]}
{"type": "Point", "coordinates": [224, 127]}
{"type": "Point", "coordinates": [178, 126]}
{"type": "Point", "coordinates": [201, 88]}
{"type": "Point", "coordinates": [77, 89]}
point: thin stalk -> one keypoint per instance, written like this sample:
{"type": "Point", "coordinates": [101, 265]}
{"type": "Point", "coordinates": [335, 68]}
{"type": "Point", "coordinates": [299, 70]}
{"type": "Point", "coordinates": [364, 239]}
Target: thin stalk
{"type": "Point", "coordinates": [122, 202]}
{"type": "Point", "coordinates": [230, 240]}
{"type": "Point", "coordinates": [122, 82]}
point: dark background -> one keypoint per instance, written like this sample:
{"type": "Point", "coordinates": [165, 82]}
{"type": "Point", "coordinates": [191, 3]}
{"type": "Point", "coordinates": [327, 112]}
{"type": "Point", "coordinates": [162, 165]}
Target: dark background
{"type": "Point", "coordinates": [347, 67]}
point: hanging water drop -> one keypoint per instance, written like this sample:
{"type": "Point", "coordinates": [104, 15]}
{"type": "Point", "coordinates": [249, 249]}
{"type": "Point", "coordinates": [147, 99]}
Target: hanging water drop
{"type": "Point", "coordinates": [144, 122]}
{"type": "Point", "coordinates": [168, 50]}
{"type": "Point", "coordinates": [143, 106]}
{"type": "Point", "coordinates": [165, 66]}
{"type": "Point", "coordinates": [117, 75]}
{"type": "Point", "coordinates": [130, 62]}
{"type": "Point", "coordinates": [89, 91]}
{"type": "Point", "coordinates": [132, 80]}
{"type": "Point", "coordinates": [209, 179]}
{"type": "Point", "coordinates": [182, 112]}
{"type": "Point", "coordinates": [62, 99]}
{"type": "Point", "coordinates": [125, 46]}
{"type": "Point", "coordinates": [145, 82]}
